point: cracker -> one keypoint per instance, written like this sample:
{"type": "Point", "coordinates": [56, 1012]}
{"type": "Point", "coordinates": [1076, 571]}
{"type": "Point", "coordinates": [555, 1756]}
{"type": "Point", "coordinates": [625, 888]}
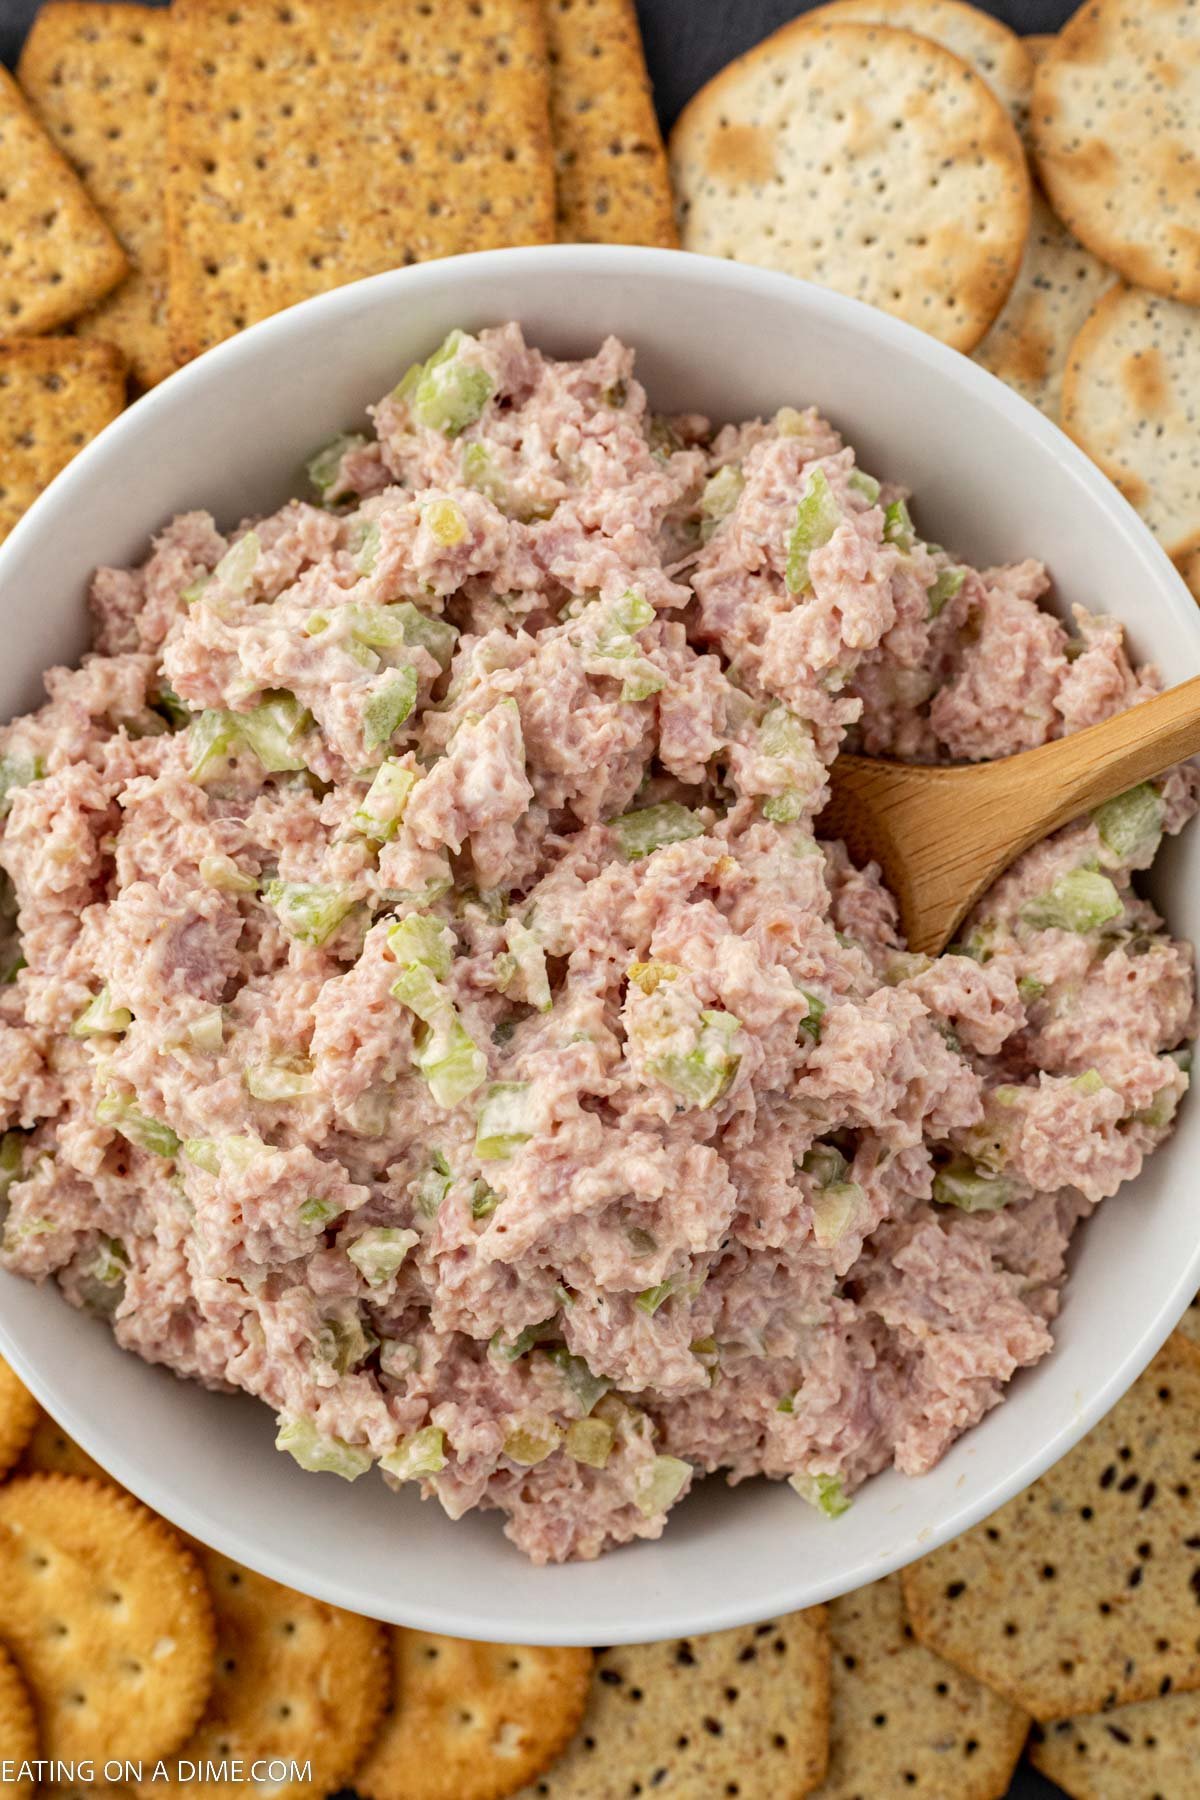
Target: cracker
{"type": "Point", "coordinates": [744, 1711]}
{"type": "Point", "coordinates": [1058, 284]}
{"type": "Point", "coordinates": [97, 75]}
{"type": "Point", "coordinates": [51, 1452]}
{"type": "Point", "coordinates": [1114, 115]}
{"type": "Point", "coordinates": [872, 161]}
{"type": "Point", "coordinates": [905, 1721]}
{"type": "Point", "coordinates": [1132, 1753]}
{"type": "Point", "coordinates": [18, 1727]}
{"type": "Point", "coordinates": [107, 1615]}
{"type": "Point", "coordinates": [1039, 45]}
{"type": "Point", "coordinates": [1131, 399]}
{"type": "Point", "coordinates": [295, 1680]}
{"type": "Point", "coordinates": [612, 182]}
{"type": "Point", "coordinates": [55, 394]}
{"type": "Point", "coordinates": [997, 53]}
{"type": "Point", "coordinates": [1080, 1594]}
{"type": "Point", "coordinates": [310, 145]}
{"type": "Point", "coordinates": [18, 1416]}
{"type": "Point", "coordinates": [1189, 1325]}
{"type": "Point", "coordinates": [472, 1721]}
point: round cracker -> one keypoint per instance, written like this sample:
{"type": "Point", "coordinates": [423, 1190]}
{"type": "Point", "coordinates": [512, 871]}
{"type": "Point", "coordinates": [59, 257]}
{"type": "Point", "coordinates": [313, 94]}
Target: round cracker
{"type": "Point", "coordinates": [869, 160]}
{"type": "Point", "coordinates": [1131, 399]}
{"type": "Point", "coordinates": [108, 1616]}
{"type": "Point", "coordinates": [295, 1682]}
{"type": "Point", "coordinates": [997, 53]}
{"type": "Point", "coordinates": [18, 1728]}
{"type": "Point", "coordinates": [18, 1417]}
{"type": "Point", "coordinates": [1115, 105]}
{"type": "Point", "coordinates": [472, 1721]}
{"type": "Point", "coordinates": [51, 1452]}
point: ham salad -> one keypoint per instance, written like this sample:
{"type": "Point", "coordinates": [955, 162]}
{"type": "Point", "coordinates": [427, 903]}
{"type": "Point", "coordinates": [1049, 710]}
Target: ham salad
{"type": "Point", "coordinates": [430, 1004]}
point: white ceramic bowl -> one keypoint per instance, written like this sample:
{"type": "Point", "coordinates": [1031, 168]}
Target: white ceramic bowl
{"type": "Point", "coordinates": [992, 479]}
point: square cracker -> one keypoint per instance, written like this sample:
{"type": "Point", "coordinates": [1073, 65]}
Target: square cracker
{"type": "Point", "coordinates": [55, 394]}
{"type": "Point", "coordinates": [57, 255]}
{"type": "Point", "coordinates": [613, 185]}
{"type": "Point", "coordinates": [97, 75]}
{"type": "Point", "coordinates": [1128, 1754]}
{"type": "Point", "coordinates": [311, 144]}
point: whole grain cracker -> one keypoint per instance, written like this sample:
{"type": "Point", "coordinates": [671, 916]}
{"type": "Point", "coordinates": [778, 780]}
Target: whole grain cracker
{"type": "Point", "coordinates": [1114, 112]}
{"type": "Point", "coordinates": [107, 1615]}
{"type": "Point", "coordinates": [1131, 399]}
{"type": "Point", "coordinates": [97, 75]}
{"type": "Point", "coordinates": [612, 182]}
{"type": "Point", "coordinates": [997, 53]}
{"type": "Point", "coordinates": [57, 255]}
{"type": "Point", "coordinates": [18, 1728]}
{"type": "Point", "coordinates": [18, 1415]}
{"type": "Point", "coordinates": [1058, 284]}
{"type": "Point", "coordinates": [1039, 45]}
{"type": "Point", "coordinates": [51, 1452]}
{"type": "Point", "coordinates": [311, 144]}
{"type": "Point", "coordinates": [905, 1721]}
{"type": "Point", "coordinates": [1080, 1594]}
{"type": "Point", "coordinates": [744, 1710]}
{"type": "Point", "coordinates": [472, 1721]}
{"type": "Point", "coordinates": [294, 1680]}
{"type": "Point", "coordinates": [870, 160]}
{"type": "Point", "coordinates": [1189, 1325]}
{"type": "Point", "coordinates": [55, 394]}
{"type": "Point", "coordinates": [1132, 1753]}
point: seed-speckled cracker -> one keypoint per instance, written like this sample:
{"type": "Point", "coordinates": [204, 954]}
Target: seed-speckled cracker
{"type": "Point", "coordinates": [1058, 284]}
{"type": "Point", "coordinates": [57, 255]}
{"type": "Point", "coordinates": [1080, 1594]}
{"type": "Point", "coordinates": [744, 1710]}
{"type": "Point", "coordinates": [1000, 56]}
{"type": "Point", "coordinates": [18, 1728]}
{"type": "Point", "coordinates": [55, 394]}
{"type": "Point", "coordinates": [108, 1616]}
{"type": "Point", "coordinates": [870, 160]}
{"type": "Point", "coordinates": [1131, 1753]}
{"type": "Point", "coordinates": [472, 1721]}
{"type": "Point", "coordinates": [97, 75]}
{"type": "Point", "coordinates": [311, 144]}
{"type": "Point", "coordinates": [51, 1452]}
{"type": "Point", "coordinates": [1039, 45]}
{"type": "Point", "coordinates": [613, 186]}
{"type": "Point", "coordinates": [1131, 399]}
{"type": "Point", "coordinates": [294, 1680]}
{"type": "Point", "coordinates": [18, 1412]}
{"type": "Point", "coordinates": [1114, 112]}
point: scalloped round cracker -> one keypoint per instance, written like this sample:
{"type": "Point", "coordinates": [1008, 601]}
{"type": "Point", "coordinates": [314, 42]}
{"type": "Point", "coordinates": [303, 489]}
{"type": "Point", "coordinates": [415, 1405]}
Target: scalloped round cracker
{"type": "Point", "coordinates": [997, 53]}
{"type": "Point", "coordinates": [18, 1728]}
{"type": "Point", "coordinates": [872, 161]}
{"type": "Point", "coordinates": [50, 1451]}
{"type": "Point", "coordinates": [18, 1417]}
{"type": "Point", "coordinates": [1115, 105]}
{"type": "Point", "coordinates": [472, 1721]}
{"type": "Point", "coordinates": [108, 1616]}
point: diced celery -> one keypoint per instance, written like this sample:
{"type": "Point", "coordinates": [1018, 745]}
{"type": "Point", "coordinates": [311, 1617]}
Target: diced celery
{"type": "Point", "coordinates": [137, 1127]}
{"type": "Point", "coordinates": [532, 1441]}
{"type": "Point", "coordinates": [479, 471]}
{"type": "Point", "coordinates": [324, 466]}
{"type": "Point", "coordinates": [505, 1120]}
{"type": "Point", "coordinates": [285, 1079]}
{"type": "Point", "coordinates": [818, 516]}
{"type": "Point", "coordinates": [236, 568]}
{"type": "Point", "coordinates": [344, 1342]}
{"type": "Point", "coordinates": [791, 423]}
{"type": "Point", "coordinates": [100, 1016]}
{"type": "Point", "coordinates": [12, 1162]}
{"type": "Point", "coordinates": [1030, 988]}
{"type": "Point", "coordinates": [788, 1403]}
{"type": "Point", "coordinates": [641, 1242]}
{"type": "Point", "coordinates": [586, 1387]}
{"type": "Point", "coordinates": [205, 1153]}
{"type": "Point", "coordinates": [1082, 900]}
{"type": "Point", "coordinates": [389, 705]}
{"type": "Point", "coordinates": [971, 1188]}
{"type": "Point", "coordinates": [651, 827]}
{"type": "Point", "coordinates": [167, 702]}
{"type": "Point", "coordinates": [383, 803]}
{"type": "Point", "coordinates": [271, 729]}
{"type": "Point", "coordinates": [364, 543]}
{"type": "Point", "coordinates": [642, 685]}
{"type": "Point", "coordinates": [319, 1454]}
{"type": "Point", "coordinates": [658, 1485]}
{"type": "Point", "coordinates": [945, 588]}
{"type": "Point", "coordinates": [701, 1075]}
{"type": "Point", "coordinates": [397, 1359]}
{"type": "Point", "coordinates": [369, 1115]}
{"type": "Point", "coordinates": [721, 494]}
{"type": "Point", "coordinates": [530, 964]}
{"type": "Point", "coordinates": [446, 394]}
{"type": "Point", "coordinates": [785, 808]}
{"type": "Point", "coordinates": [378, 1252]}
{"type": "Point", "coordinates": [309, 911]}
{"type": "Point", "coordinates": [206, 1032]}
{"type": "Point", "coordinates": [484, 1200]}
{"type": "Point", "coordinates": [111, 1265]}
{"type": "Point", "coordinates": [650, 1299]}
{"type": "Point", "coordinates": [514, 1348]}
{"type": "Point", "coordinates": [17, 771]}
{"type": "Point", "coordinates": [317, 1211]}
{"type": "Point", "coordinates": [825, 1163]}
{"type": "Point", "coordinates": [834, 1209]}
{"type": "Point", "coordinates": [1090, 1082]}
{"type": "Point", "coordinates": [648, 975]}
{"type": "Point", "coordinates": [418, 988]}
{"type": "Point", "coordinates": [432, 1187]}
{"type": "Point", "coordinates": [212, 736]}
{"type": "Point", "coordinates": [421, 1453]}
{"type": "Point", "coordinates": [1131, 825]}
{"type": "Point", "coordinates": [426, 942]}
{"type": "Point", "coordinates": [450, 1060]}
{"type": "Point", "coordinates": [446, 521]}
{"type": "Point", "coordinates": [222, 872]}
{"type": "Point", "coordinates": [424, 630]}
{"type": "Point", "coordinates": [863, 484]}
{"type": "Point", "coordinates": [810, 1025]}
{"type": "Point", "coordinates": [822, 1491]}
{"type": "Point", "coordinates": [898, 526]}
{"type": "Point", "coordinates": [590, 1441]}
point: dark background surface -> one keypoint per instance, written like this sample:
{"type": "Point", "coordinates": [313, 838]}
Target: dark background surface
{"type": "Point", "coordinates": [686, 42]}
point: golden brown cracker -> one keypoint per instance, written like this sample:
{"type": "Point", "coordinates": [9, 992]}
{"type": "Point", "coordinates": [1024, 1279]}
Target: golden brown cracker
{"type": "Point", "coordinates": [472, 1721]}
{"type": "Point", "coordinates": [97, 75]}
{"type": "Point", "coordinates": [612, 181]}
{"type": "Point", "coordinates": [1080, 1594]}
{"type": "Point", "coordinates": [51, 1452]}
{"type": "Point", "coordinates": [999, 55]}
{"type": "Point", "coordinates": [107, 1615]}
{"type": "Point", "coordinates": [744, 1711]}
{"type": "Point", "coordinates": [1039, 45]}
{"type": "Point", "coordinates": [55, 394]}
{"type": "Point", "coordinates": [870, 160]}
{"type": "Point", "coordinates": [1113, 118]}
{"type": "Point", "coordinates": [18, 1413]}
{"type": "Point", "coordinates": [1131, 1753]}
{"type": "Point", "coordinates": [18, 1729]}
{"type": "Point", "coordinates": [310, 145]}
{"type": "Point", "coordinates": [57, 255]}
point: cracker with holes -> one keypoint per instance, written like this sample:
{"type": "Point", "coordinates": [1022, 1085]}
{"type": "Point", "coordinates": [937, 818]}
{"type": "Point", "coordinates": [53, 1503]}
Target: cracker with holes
{"type": "Point", "coordinates": [743, 1712]}
{"type": "Point", "coordinates": [902, 1718]}
{"type": "Point", "coordinates": [472, 1721]}
{"type": "Point", "coordinates": [55, 394]}
{"type": "Point", "coordinates": [1115, 104]}
{"type": "Point", "coordinates": [57, 255]}
{"type": "Point", "coordinates": [18, 1728]}
{"type": "Point", "coordinates": [1080, 1594]}
{"type": "Point", "coordinates": [613, 186]}
{"type": "Point", "coordinates": [997, 53]}
{"type": "Point", "coordinates": [108, 1616]}
{"type": "Point", "coordinates": [97, 75]}
{"type": "Point", "coordinates": [870, 160]}
{"type": "Point", "coordinates": [294, 1680]}
{"type": "Point", "coordinates": [310, 145]}
{"type": "Point", "coordinates": [51, 1452]}
{"type": "Point", "coordinates": [18, 1411]}
{"type": "Point", "coordinates": [1128, 1754]}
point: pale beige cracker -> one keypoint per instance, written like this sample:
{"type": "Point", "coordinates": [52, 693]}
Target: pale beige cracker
{"type": "Point", "coordinates": [472, 1721]}
{"type": "Point", "coordinates": [51, 1452]}
{"type": "Point", "coordinates": [997, 53]}
{"type": "Point", "coordinates": [311, 144]}
{"type": "Point", "coordinates": [1114, 112]}
{"type": "Point", "coordinates": [869, 160]}
{"type": "Point", "coordinates": [1080, 1594]}
{"type": "Point", "coordinates": [744, 1710]}
{"type": "Point", "coordinates": [55, 395]}
{"type": "Point", "coordinates": [903, 1720]}
{"type": "Point", "coordinates": [97, 76]}
{"type": "Point", "coordinates": [108, 1617]}
{"type": "Point", "coordinates": [1058, 284]}
{"type": "Point", "coordinates": [1132, 1753]}
{"type": "Point", "coordinates": [18, 1729]}
{"type": "Point", "coordinates": [18, 1414]}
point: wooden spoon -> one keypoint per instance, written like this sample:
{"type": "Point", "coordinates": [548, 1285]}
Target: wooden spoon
{"type": "Point", "coordinates": [942, 836]}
